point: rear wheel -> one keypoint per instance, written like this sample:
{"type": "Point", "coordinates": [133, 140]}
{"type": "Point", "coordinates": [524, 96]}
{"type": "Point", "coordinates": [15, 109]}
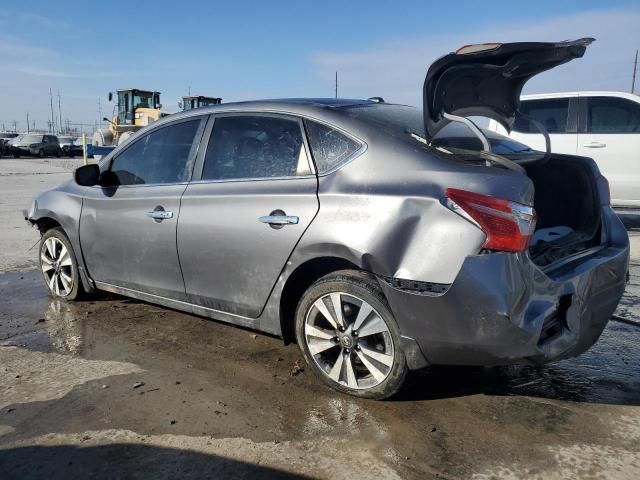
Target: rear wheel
{"type": "Point", "coordinates": [349, 337]}
{"type": "Point", "coordinates": [16, 155]}
{"type": "Point", "coordinates": [41, 153]}
{"type": "Point", "coordinates": [59, 266]}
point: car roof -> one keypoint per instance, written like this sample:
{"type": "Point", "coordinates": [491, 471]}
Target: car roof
{"type": "Point", "coordinates": [586, 93]}
{"type": "Point", "coordinates": [330, 110]}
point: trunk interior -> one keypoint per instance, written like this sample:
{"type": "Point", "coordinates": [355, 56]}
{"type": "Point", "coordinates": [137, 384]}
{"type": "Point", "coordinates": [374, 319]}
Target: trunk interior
{"type": "Point", "coordinates": [567, 206]}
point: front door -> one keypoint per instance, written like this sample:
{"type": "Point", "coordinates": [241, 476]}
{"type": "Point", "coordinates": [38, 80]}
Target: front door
{"type": "Point", "coordinates": [611, 137]}
{"type": "Point", "coordinates": [240, 221]}
{"type": "Point", "coordinates": [128, 226]}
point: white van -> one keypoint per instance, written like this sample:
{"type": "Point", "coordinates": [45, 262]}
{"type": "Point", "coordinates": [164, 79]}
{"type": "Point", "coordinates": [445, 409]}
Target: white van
{"type": "Point", "coordinates": [602, 125]}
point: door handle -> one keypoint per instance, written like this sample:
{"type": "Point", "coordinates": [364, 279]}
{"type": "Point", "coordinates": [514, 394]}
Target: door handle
{"type": "Point", "coordinates": [594, 145]}
{"type": "Point", "coordinates": [279, 219]}
{"type": "Point", "coordinates": [159, 214]}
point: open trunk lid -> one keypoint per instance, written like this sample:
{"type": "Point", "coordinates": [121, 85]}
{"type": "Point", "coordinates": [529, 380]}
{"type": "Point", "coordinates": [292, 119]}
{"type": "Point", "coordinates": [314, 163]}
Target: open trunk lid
{"type": "Point", "coordinates": [486, 80]}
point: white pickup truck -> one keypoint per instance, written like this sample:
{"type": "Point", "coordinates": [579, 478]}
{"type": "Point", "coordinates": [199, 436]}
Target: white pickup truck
{"type": "Point", "coordinates": [602, 125]}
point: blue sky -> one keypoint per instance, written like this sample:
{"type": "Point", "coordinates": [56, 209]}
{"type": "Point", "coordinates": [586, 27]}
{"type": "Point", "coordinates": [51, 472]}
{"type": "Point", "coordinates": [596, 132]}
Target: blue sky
{"type": "Point", "coordinates": [245, 50]}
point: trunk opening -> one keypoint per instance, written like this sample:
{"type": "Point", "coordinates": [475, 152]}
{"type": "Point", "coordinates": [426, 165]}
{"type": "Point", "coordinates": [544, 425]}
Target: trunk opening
{"type": "Point", "coordinates": [568, 208]}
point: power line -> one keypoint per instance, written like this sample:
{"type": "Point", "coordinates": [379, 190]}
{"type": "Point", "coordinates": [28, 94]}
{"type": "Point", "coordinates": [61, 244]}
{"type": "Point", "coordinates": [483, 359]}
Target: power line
{"type": "Point", "coordinates": [635, 68]}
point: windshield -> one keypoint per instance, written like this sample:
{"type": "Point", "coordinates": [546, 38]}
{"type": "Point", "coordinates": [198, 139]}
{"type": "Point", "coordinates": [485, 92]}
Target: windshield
{"type": "Point", "coordinates": [143, 100]}
{"type": "Point", "coordinates": [8, 135]}
{"type": "Point", "coordinates": [31, 139]}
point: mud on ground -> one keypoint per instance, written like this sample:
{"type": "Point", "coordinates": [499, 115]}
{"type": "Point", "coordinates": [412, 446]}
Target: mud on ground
{"type": "Point", "coordinates": [117, 388]}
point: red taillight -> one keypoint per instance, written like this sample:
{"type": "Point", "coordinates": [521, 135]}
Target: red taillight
{"type": "Point", "coordinates": [508, 225]}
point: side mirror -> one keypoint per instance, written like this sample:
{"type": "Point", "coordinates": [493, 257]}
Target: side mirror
{"type": "Point", "coordinates": [110, 96]}
{"type": "Point", "coordinates": [87, 175]}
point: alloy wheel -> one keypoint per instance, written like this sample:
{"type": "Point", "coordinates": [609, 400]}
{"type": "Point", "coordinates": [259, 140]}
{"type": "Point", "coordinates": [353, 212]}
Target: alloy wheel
{"type": "Point", "coordinates": [349, 340]}
{"type": "Point", "coordinates": [57, 266]}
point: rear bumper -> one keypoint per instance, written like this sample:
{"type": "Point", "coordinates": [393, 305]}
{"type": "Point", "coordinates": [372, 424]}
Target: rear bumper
{"type": "Point", "coordinates": [503, 309]}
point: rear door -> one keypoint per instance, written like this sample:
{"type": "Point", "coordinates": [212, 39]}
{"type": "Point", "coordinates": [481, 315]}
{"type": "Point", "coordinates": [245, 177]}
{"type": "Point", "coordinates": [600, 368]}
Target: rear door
{"type": "Point", "coordinates": [610, 134]}
{"type": "Point", "coordinates": [254, 193]}
{"type": "Point", "coordinates": [128, 226]}
{"type": "Point", "coordinates": [50, 145]}
{"type": "Point", "coordinates": [559, 118]}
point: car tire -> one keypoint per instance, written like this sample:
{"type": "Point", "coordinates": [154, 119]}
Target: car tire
{"type": "Point", "coordinates": [58, 153]}
{"type": "Point", "coordinates": [41, 153]}
{"type": "Point", "coordinates": [16, 155]}
{"type": "Point", "coordinates": [368, 363]}
{"type": "Point", "coordinates": [59, 266]}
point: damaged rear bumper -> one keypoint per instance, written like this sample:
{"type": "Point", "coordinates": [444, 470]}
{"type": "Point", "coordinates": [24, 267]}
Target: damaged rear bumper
{"type": "Point", "coordinates": [503, 309]}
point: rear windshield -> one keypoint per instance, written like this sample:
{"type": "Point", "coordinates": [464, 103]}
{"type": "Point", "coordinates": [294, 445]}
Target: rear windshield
{"type": "Point", "coordinates": [394, 119]}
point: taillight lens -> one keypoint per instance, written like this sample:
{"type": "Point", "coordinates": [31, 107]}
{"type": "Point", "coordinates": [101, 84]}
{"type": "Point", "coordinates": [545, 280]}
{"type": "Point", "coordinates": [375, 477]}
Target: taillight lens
{"type": "Point", "coordinates": [508, 225]}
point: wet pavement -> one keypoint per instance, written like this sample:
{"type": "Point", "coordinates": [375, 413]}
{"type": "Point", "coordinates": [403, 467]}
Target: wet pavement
{"type": "Point", "coordinates": [116, 388]}
{"type": "Point", "coordinates": [119, 388]}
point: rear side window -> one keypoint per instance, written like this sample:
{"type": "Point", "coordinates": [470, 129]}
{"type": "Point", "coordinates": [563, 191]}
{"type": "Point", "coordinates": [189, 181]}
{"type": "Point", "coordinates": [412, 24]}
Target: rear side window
{"type": "Point", "coordinates": [612, 115]}
{"type": "Point", "coordinates": [252, 146]}
{"type": "Point", "coordinates": [162, 156]}
{"type": "Point", "coordinates": [551, 113]}
{"type": "Point", "coordinates": [329, 147]}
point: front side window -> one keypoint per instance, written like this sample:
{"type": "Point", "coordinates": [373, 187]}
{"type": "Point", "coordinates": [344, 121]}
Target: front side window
{"type": "Point", "coordinates": [248, 147]}
{"type": "Point", "coordinates": [612, 115]}
{"type": "Point", "coordinates": [329, 147]}
{"type": "Point", "coordinates": [551, 113]}
{"type": "Point", "coordinates": [161, 156]}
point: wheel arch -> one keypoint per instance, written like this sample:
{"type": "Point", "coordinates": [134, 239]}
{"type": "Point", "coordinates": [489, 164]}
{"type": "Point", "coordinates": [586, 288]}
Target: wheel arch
{"type": "Point", "coordinates": [47, 223]}
{"type": "Point", "coordinates": [299, 281]}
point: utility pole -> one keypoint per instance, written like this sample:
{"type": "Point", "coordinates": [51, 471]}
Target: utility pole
{"type": "Point", "coordinates": [60, 114]}
{"type": "Point", "coordinates": [99, 112]}
{"type": "Point", "coordinates": [635, 68]}
{"type": "Point", "coordinates": [15, 126]}
{"type": "Point", "coordinates": [53, 118]}
{"type": "Point", "coordinates": [27, 123]}
{"type": "Point", "coordinates": [336, 84]}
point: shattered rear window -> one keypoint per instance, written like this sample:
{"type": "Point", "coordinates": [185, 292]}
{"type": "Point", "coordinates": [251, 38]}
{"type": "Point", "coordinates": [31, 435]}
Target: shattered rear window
{"type": "Point", "coordinates": [329, 147]}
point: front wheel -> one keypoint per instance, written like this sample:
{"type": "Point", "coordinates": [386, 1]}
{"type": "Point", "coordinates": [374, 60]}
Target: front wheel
{"type": "Point", "coordinates": [59, 266]}
{"type": "Point", "coordinates": [349, 337]}
{"type": "Point", "coordinates": [41, 153]}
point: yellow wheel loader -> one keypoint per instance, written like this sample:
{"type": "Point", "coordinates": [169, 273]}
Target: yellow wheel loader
{"type": "Point", "coordinates": [190, 102]}
{"type": "Point", "coordinates": [134, 110]}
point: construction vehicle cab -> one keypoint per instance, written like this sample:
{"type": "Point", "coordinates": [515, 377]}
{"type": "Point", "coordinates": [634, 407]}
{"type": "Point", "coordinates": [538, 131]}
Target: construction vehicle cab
{"type": "Point", "coordinates": [137, 107]}
{"type": "Point", "coordinates": [134, 110]}
{"type": "Point", "coordinates": [190, 102]}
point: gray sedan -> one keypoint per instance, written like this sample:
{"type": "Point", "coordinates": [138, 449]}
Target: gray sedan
{"type": "Point", "coordinates": [341, 225]}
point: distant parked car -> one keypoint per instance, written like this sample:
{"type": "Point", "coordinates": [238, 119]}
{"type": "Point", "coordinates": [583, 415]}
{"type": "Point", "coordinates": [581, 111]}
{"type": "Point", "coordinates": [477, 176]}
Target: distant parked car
{"type": "Point", "coordinates": [65, 143]}
{"type": "Point", "coordinates": [37, 146]}
{"type": "Point", "coordinates": [76, 148]}
{"type": "Point", "coordinates": [602, 125]}
{"type": "Point", "coordinates": [5, 142]}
